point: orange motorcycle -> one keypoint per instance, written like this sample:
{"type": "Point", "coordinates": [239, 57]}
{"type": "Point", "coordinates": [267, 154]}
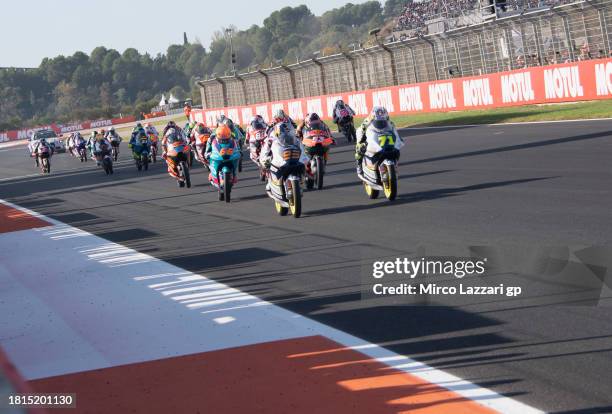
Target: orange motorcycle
{"type": "Point", "coordinates": [316, 145]}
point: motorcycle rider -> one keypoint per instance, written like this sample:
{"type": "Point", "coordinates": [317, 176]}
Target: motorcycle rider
{"type": "Point", "coordinates": [280, 117]}
{"type": "Point", "coordinates": [169, 125]}
{"type": "Point", "coordinates": [342, 113]}
{"type": "Point", "coordinates": [201, 129]}
{"type": "Point", "coordinates": [223, 132]}
{"type": "Point", "coordinates": [113, 137]}
{"type": "Point", "coordinates": [37, 150]}
{"type": "Point", "coordinates": [172, 135]}
{"type": "Point", "coordinates": [100, 148]}
{"type": "Point", "coordinates": [152, 133]}
{"type": "Point", "coordinates": [138, 143]}
{"type": "Point", "coordinates": [77, 141]}
{"type": "Point", "coordinates": [256, 124]}
{"type": "Point", "coordinates": [312, 122]}
{"type": "Point", "coordinates": [91, 141]}
{"type": "Point", "coordinates": [377, 123]}
{"type": "Point", "coordinates": [136, 131]}
{"type": "Point", "coordinates": [271, 156]}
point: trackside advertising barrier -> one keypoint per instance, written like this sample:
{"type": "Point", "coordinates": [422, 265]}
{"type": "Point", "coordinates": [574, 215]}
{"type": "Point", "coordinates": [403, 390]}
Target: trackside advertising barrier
{"type": "Point", "coordinates": [570, 82]}
{"type": "Point", "coordinates": [63, 129]}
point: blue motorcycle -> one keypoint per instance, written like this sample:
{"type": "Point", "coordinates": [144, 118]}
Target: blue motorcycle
{"type": "Point", "coordinates": [224, 160]}
{"type": "Point", "coordinates": [141, 154]}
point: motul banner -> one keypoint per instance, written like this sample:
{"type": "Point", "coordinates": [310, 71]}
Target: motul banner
{"type": "Point", "coordinates": [63, 129]}
{"type": "Point", "coordinates": [570, 82]}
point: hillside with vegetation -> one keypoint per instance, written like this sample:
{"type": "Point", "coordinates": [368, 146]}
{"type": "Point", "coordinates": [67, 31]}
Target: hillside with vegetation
{"type": "Point", "coordinates": [107, 82]}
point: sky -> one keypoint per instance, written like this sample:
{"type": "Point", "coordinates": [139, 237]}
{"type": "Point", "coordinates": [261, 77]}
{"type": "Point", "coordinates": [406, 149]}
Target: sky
{"type": "Point", "coordinates": [35, 29]}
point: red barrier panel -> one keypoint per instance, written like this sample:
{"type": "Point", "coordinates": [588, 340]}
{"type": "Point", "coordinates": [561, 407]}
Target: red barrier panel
{"type": "Point", "coordinates": [570, 82]}
{"type": "Point", "coordinates": [63, 129]}
{"type": "Point", "coordinates": [155, 114]}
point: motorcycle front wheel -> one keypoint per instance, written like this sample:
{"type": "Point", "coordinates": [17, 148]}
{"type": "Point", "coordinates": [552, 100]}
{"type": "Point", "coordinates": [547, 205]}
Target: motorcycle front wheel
{"type": "Point", "coordinates": [295, 198]}
{"type": "Point", "coordinates": [227, 186]}
{"type": "Point", "coordinates": [390, 182]}
{"type": "Point", "coordinates": [280, 209]}
{"type": "Point", "coordinates": [372, 193]}
{"type": "Point", "coordinates": [320, 171]}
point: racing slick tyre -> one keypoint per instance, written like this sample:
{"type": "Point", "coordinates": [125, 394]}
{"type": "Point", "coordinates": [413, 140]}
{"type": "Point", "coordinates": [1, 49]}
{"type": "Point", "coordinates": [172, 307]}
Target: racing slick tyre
{"type": "Point", "coordinates": [320, 171]}
{"type": "Point", "coordinates": [227, 186]}
{"type": "Point", "coordinates": [390, 183]}
{"type": "Point", "coordinates": [282, 211]}
{"type": "Point", "coordinates": [295, 198]}
{"type": "Point", "coordinates": [372, 193]}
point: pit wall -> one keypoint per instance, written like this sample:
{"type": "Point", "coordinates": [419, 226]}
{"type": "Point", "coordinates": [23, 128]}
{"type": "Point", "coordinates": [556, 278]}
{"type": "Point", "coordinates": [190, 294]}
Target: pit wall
{"type": "Point", "coordinates": [570, 82]}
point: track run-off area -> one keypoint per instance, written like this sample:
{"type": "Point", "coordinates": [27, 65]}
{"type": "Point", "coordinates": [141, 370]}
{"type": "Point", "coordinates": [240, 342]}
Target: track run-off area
{"type": "Point", "coordinates": [137, 294]}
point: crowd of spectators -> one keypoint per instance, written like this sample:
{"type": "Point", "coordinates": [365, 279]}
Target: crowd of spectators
{"type": "Point", "coordinates": [416, 15]}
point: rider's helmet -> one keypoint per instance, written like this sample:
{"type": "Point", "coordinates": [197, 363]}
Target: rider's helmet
{"type": "Point", "coordinates": [142, 135]}
{"type": "Point", "coordinates": [149, 125]}
{"type": "Point", "coordinates": [102, 132]}
{"type": "Point", "coordinates": [171, 124]}
{"type": "Point", "coordinates": [379, 117]}
{"type": "Point", "coordinates": [172, 135]}
{"type": "Point", "coordinates": [43, 141]}
{"type": "Point", "coordinates": [286, 136]}
{"type": "Point", "coordinates": [138, 125]}
{"type": "Point", "coordinates": [257, 122]}
{"type": "Point", "coordinates": [111, 129]}
{"type": "Point", "coordinates": [201, 128]}
{"type": "Point", "coordinates": [312, 118]}
{"type": "Point", "coordinates": [220, 119]}
{"type": "Point", "coordinates": [279, 115]}
{"type": "Point", "coordinates": [94, 133]}
{"type": "Point", "coordinates": [340, 103]}
{"type": "Point", "coordinates": [223, 132]}
{"type": "Point", "coordinates": [229, 123]}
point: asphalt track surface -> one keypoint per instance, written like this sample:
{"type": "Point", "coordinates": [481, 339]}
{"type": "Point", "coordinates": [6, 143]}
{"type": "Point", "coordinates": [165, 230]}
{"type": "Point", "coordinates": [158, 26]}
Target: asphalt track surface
{"type": "Point", "coordinates": [528, 185]}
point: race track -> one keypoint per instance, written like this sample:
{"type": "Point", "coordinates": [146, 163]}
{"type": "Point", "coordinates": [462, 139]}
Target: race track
{"type": "Point", "coordinates": [528, 185]}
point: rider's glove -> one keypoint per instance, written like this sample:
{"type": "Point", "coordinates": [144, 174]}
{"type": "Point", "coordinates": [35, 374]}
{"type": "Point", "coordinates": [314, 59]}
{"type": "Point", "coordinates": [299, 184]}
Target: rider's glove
{"type": "Point", "coordinates": [360, 148]}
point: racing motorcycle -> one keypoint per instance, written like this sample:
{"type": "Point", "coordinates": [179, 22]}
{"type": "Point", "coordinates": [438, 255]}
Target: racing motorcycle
{"type": "Point", "coordinates": [347, 126]}
{"type": "Point", "coordinates": [153, 155]}
{"type": "Point", "coordinates": [286, 189]}
{"type": "Point", "coordinates": [199, 146]}
{"type": "Point", "coordinates": [107, 160]}
{"type": "Point", "coordinates": [81, 150]}
{"type": "Point", "coordinates": [141, 156]}
{"type": "Point", "coordinates": [316, 144]}
{"type": "Point", "coordinates": [256, 141]}
{"type": "Point", "coordinates": [223, 158]}
{"type": "Point", "coordinates": [380, 169]}
{"type": "Point", "coordinates": [115, 149]}
{"type": "Point", "coordinates": [180, 150]}
{"type": "Point", "coordinates": [44, 153]}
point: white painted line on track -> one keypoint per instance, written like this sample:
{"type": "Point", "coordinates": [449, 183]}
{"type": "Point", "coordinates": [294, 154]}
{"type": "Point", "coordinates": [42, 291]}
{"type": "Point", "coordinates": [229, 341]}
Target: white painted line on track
{"type": "Point", "coordinates": [560, 121]}
{"type": "Point", "coordinates": [73, 278]}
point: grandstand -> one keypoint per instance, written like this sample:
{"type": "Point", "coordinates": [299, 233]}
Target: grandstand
{"type": "Point", "coordinates": [435, 40]}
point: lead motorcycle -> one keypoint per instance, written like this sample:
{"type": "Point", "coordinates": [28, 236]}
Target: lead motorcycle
{"type": "Point", "coordinates": [380, 164]}
{"type": "Point", "coordinates": [224, 158]}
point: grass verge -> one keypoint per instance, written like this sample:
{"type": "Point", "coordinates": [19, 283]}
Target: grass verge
{"type": "Point", "coordinates": [552, 112]}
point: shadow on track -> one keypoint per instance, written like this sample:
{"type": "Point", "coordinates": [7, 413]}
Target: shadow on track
{"type": "Point", "coordinates": [422, 196]}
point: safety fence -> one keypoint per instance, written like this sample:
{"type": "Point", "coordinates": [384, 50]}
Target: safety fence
{"type": "Point", "coordinates": [484, 41]}
{"type": "Point", "coordinates": [566, 82]}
